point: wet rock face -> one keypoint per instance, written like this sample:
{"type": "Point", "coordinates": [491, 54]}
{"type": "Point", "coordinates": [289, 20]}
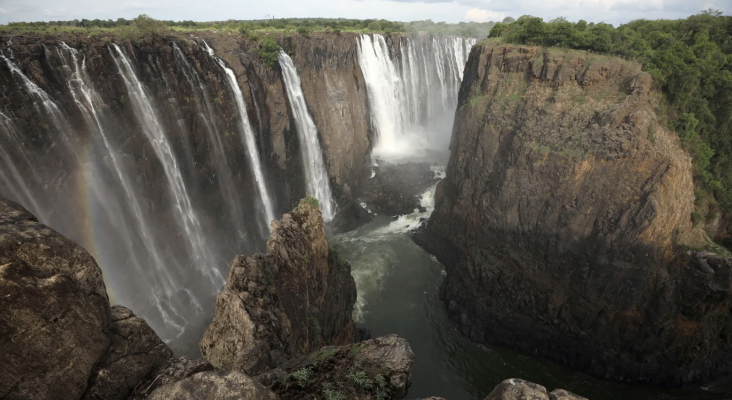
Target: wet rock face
{"type": "Point", "coordinates": [219, 385]}
{"type": "Point", "coordinates": [296, 298]}
{"type": "Point", "coordinates": [135, 351]}
{"type": "Point", "coordinates": [376, 368]}
{"type": "Point", "coordinates": [517, 389]}
{"type": "Point", "coordinates": [54, 311]}
{"type": "Point", "coordinates": [561, 218]}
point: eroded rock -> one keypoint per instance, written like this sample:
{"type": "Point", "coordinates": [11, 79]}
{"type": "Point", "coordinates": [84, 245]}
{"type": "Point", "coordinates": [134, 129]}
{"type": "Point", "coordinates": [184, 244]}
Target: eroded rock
{"type": "Point", "coordinates": [518, 389]}
{"type": "Point", "coordinates": [214, 385]}
{"type": "Point", "coordinates": [54, 310]}
{"type": "Point", "coordinates": [135, 351]}
{"type": "Point", "coordinates": [296, 298]}
{"type": "Point", "coordinates": [174, 370]}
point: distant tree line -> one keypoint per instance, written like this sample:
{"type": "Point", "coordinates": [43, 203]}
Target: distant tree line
{"type": "Point", "coordinates": [690, 60]}
{"type": "Point", "coordinates": [301, 25]}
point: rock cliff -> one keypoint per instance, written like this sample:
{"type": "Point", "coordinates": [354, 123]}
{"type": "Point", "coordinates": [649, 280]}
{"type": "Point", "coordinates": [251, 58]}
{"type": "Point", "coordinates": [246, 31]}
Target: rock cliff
{"type": "Point", "coordinates": [291, 301]}
{"type": "Point", "coordinates": [564, 218]}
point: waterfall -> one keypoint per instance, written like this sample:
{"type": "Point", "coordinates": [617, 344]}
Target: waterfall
{"type": "Point", "coordinates": [412, 92]}
{"type": "Point", "coordinates": [185, 215]}
{"type": "Point", "coordinates": [247, 136]}
{"type": "Point", "coordinates": [224, 175]}
{"type": "Point", "coordinates": [318, 184]}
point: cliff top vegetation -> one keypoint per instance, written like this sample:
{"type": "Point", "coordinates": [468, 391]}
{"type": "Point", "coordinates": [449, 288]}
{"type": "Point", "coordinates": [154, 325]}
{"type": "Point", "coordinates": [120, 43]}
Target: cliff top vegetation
{"type": "Point", "coordinates": [690, 61]}
{"type": "Point", "coordinates": [304, 26]}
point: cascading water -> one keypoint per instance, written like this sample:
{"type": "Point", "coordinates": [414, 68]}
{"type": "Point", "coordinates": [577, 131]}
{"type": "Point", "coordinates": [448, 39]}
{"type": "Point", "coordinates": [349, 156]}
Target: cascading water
{"type": "Point", "coordinates": [412, 92]}
{"type": "Point", "coordinates": [247, 136]}
{"type": "Point", "coordinates": [318, 184]}
{"type": "Point", "coordinates": [185, 215]}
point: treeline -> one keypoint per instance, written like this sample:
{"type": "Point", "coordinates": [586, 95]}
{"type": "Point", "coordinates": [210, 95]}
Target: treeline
{"type": "Point", "coordinates": [302, 25]}
{"type": "Point", "coordinates": [690, 60]}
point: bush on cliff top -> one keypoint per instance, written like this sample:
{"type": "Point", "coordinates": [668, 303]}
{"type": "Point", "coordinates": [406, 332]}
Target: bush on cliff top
{"type": "Point", "coordinates": [691, 62]}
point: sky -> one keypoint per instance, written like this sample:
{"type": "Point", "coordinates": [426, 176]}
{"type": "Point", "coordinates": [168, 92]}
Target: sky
{"type": "Point", "coordinates": [610, 11]}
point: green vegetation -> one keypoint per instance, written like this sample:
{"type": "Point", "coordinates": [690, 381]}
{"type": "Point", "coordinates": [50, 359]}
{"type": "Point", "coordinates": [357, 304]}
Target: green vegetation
{"type": "Point", "coordinates": [267, 49]}
{"type": "Point", "coordinates": [690, 60]}
{"type": "Point", "coordinates": [360, 379]}
{"type": "Point", "coordinates": [325, 354]}
{"type": "Point", "coordinates": [303, 26]}
{"type": "Point", "coordinates": [310, 200]}
{"type": "Point", "coordinates": [302, 376]}
{"type": "Point", "coordinates": [332, 394]}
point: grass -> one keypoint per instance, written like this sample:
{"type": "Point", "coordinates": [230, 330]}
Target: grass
{"type": "Point", "coordinates": [308, 200]}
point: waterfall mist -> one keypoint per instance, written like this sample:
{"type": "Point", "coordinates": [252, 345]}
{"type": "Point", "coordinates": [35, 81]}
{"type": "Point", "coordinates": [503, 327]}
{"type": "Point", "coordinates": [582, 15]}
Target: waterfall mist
{"type": "Point", "coordinates": [412, 87]}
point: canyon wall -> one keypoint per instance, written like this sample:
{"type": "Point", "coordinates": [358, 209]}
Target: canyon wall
{"type": "Point", "coordinates": [564, 221]}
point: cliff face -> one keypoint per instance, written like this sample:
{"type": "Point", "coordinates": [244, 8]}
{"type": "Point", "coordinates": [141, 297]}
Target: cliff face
{"type": "Point", "coordinates": [295, 299]}
{"type": "Point", "coordinates": [561, 218]}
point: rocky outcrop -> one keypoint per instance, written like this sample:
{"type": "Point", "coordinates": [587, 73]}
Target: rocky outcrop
{"type": "Point", "coordinates": [54, 311]}
{"type": "Point", "coordinates": [517, 389]}
{"type": "Point", "coordinates": [134, 352]}
{"type": "Point", "coordinates": [296, 298]}
{"type": "Point", "coordinates": [379, 368]}
{"type": "Point", "coordinates": [562, 219]}
{"type": "Point", "coordinates": [215, 385]}
{"type": "Point", "coordinates": [176, 369]}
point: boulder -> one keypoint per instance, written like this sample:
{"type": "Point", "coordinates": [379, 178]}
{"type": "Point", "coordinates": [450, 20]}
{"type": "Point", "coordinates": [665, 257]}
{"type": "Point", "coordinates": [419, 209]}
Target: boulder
{"type": "Point", "coordinates": [175, 370]}
{"type": "Point", "coordinates": [54, 310]}
{"type": "Point", "coordinates": [518, 389]}
{"type": "Point", "coordinates": [134, 353]}
{"type": "Point", "coordinates": [214, 385]}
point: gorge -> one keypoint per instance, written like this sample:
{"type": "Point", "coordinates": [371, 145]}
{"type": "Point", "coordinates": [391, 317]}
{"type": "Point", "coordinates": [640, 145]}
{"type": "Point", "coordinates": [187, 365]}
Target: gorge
{"type": "Point", "coordinates": [166, 158]}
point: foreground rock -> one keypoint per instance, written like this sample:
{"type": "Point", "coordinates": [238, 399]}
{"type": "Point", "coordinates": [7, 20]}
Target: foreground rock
{"type": "Point", "coordinates": [296, 298]}
{"type": "Point", "coordinates": [54, 311]}
{"type": "Point", "coordinates": [517, 389]}
{"type": "Point", "coordinates": [176, 369]}
{"type": "Point", "coordinates": [563, 219]}
{"type": "Point", "coordinates": [379, 368]}
{"type": "Point", "coordinates": [214, 385]}
{"type": "Point", "coordinates": [134, 353]}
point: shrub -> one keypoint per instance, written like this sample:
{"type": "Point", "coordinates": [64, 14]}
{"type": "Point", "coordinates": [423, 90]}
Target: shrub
{"type": "Point", "coordinates": [332, 394]}
{"type": "Point", "coordinates": [360, 379]}
{"type": "Point", "coordinates": [268, 50]}
{"type": "Point", "coordinates": [302, 376]}
{"type": "Point", "coordinates": [303, 30]}
{"type": "Point", "coordinates": [149, 27]}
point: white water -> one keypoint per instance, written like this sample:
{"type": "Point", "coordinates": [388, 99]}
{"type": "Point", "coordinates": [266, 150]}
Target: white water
{"type": "Point", "coordinates": [247, 136]}
{"type": "Point", "coordinates": [318, 184]}
{"type": "Point", "coordinates": [224, 175]}
{"type": "Point", "coordinates": [412, 95]}
{"type": "Point", "coordinates": [186, 217]}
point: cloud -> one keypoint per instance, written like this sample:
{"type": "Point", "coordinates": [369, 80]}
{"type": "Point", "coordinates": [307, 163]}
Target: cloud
{"type": "Point", "coordinates": [481, 15]}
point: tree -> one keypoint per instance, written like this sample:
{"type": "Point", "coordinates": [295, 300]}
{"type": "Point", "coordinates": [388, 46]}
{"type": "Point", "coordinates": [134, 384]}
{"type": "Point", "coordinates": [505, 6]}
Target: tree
{"type": "Point", "coordinates": [149, 27]}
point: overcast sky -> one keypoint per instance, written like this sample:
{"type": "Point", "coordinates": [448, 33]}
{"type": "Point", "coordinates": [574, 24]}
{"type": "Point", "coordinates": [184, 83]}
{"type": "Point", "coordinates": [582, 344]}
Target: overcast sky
{"type": "Point", "coordinates": [610, 11]}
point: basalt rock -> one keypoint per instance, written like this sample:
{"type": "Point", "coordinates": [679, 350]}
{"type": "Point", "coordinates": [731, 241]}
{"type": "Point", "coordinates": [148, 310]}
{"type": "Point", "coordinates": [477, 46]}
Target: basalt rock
{"type": "Point", "coordinates": [176, 369]}
{"type": "Point", "coordinates": [296, 298]}
{"type": "Point", "coordinates": [134, 353]}
{"type": "Point", "coordinates": [54, 311]}
{"type": "Point", "coordinates": [214, 385]}
{"type": "Point", "coordinates": [517, 389]}
{"type": "Point", "coordinates": [564, 217]}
